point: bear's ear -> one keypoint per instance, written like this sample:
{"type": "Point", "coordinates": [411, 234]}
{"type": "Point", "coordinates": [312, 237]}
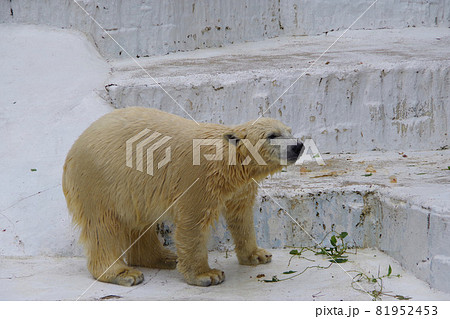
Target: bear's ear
{"type": "Point", "coordinates": [230, 136]}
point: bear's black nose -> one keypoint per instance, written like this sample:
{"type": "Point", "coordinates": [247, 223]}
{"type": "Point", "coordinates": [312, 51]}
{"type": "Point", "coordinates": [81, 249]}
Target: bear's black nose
{"type": "Point", "coordinates": [294, 152]}
{"type": "Point", "coordinates": [298, 148]}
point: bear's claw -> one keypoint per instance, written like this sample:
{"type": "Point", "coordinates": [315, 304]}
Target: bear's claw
{"type": "Point", "coordinates": [211, 277]}
{"type": "Point", "coordinates": [259, 256]}
{"type": "Point", "coordinates": [129, 277]}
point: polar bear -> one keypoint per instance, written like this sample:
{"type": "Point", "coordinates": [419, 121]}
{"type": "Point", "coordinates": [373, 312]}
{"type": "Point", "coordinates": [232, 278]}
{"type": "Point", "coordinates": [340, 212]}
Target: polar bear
{"type": "Point", "coordinates": [136, 166]}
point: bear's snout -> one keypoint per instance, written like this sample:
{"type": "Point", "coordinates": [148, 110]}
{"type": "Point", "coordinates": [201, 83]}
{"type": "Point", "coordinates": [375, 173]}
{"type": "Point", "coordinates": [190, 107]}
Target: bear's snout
{"type": "Point", "coordinates": [294, 151]}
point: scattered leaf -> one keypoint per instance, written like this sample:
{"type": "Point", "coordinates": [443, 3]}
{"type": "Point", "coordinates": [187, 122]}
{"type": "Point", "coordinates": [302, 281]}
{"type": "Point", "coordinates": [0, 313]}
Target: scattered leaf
{"type": "Point", "coordinates": [389, 271]}
{"type": "Point", "coordinates": [260, 276]}
{"type": "Point", "coordinates": [110, 297]}
{"type": "Point", "coordinates": [33, 170]}
{"type": "Point", "coordinates": [304, 170]}
{"type": "Point", "coordinates": [400, 297]}
{"type": "Point", "coordinates": [330, 174]}
{"type": "Point", "coordinates": [289, 272]}
{"type": "Point", "coordinates": [339, 260]}
{"type": "Point", "coordinates": [370, 169]}
{"type": "Point", "coordinates": [333, 240]}
{"type": "Point", "coordinates": [367, 175]}
{"type": "Point", "coordinates": [274, 279]}
{"type": "Point", "coordinates": [322, 251]}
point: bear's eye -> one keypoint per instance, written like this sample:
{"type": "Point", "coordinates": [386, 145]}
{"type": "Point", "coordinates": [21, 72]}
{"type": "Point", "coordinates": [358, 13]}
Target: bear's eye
{"type": "Point", "coordinates": [272, 136]}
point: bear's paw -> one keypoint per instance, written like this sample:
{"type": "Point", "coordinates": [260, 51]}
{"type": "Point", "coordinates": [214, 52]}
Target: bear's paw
{"type": "Point", "coordinates": [209, 278]}
{"type": "Point", "coordinates": [259, 256]}
{"type": "Point", "coordinates": [129, 277]}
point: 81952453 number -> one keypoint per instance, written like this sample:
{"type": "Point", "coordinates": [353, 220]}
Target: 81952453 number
{"type": "Point", "coordinates": [407, 310]}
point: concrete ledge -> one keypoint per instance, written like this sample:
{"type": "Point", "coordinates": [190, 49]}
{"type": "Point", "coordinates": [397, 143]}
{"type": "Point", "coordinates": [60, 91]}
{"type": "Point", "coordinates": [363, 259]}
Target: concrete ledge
{"type": "Point", "coordinates": [374, 90]}
{"type": "Point", "coordinates": [159, 27]}
{"type": "Point", "coordinates": [408, 220]}
{"type": "Point", "coordinates": [312, 17]}
{"type": "Point", "coordinates": [440, 266]}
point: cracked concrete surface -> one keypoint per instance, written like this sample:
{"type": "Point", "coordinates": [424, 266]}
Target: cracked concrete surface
{"type": "Point", "coordinates": [53, 278]}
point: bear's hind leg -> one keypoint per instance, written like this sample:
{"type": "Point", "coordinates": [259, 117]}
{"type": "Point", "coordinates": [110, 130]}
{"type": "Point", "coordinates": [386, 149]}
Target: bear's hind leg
{"type": "Point", "coordinates": [104, 244]}
{"type": "Point", "coordinates": [147, 251]}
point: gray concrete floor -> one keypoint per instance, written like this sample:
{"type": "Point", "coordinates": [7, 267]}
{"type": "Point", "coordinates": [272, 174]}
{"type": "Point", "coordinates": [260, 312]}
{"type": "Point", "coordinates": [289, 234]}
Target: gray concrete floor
{"type": "Point", "coordinates": [45, 278]}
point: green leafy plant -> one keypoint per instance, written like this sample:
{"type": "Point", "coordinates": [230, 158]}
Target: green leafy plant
{"type": "Point", "coordinates": [377, 292]}
{"type": "Point", "coordinates": [276, 279]}
{"type": "Point", "coordinates": [297, 253]}
{"type": "Point", "coordinates": [338, 249]}
{"type": "Point", "coordinates": [337, 253]}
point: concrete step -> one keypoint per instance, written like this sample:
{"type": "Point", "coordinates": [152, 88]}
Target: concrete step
{"type": "Point", "coordinates": [158, 27]}
{"type": "Point", "coordinates": [373, 90]}
{"type": "Point", "coordinates": [45, 278]}
{"type": "Point", "coordinates": [408, 219]}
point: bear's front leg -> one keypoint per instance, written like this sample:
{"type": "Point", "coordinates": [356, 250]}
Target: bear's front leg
{"type": "Point", "coordinates": [239, 217]}
{"type": "Point", "coordinates": [191, 236]}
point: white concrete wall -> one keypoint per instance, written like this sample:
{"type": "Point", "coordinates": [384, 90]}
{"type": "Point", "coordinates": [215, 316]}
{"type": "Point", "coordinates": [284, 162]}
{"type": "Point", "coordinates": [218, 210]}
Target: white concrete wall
{"type": "Point", "coordinates": [47, 78]}
{"type": "Point", "coordinates": [312, 17]}
{"type": "Point", "coordinates": [157, 27]}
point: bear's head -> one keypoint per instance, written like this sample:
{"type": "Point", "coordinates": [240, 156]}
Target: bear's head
{"type": "Point", "coordinates": [266, 144]}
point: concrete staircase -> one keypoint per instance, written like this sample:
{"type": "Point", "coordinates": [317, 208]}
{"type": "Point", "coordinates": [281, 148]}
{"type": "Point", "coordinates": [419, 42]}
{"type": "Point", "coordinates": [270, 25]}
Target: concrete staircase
{"type": "Point", "coordinates": [373, 90]}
